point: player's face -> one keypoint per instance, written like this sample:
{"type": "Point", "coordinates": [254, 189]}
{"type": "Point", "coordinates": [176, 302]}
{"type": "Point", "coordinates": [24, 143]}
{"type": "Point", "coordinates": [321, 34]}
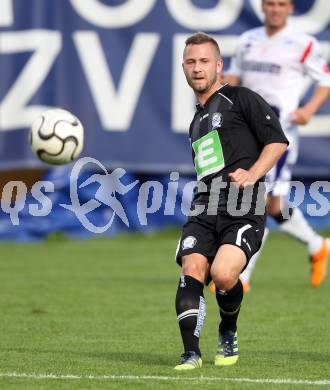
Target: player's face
{"type": "Point", "coordinates": [276, 12]}
{"type": "Point", "coordinates": [202, 67]}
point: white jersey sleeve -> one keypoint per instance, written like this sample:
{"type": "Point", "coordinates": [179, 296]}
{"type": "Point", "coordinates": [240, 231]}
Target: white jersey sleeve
{"type": "Point", "coordinates": [314, 63]}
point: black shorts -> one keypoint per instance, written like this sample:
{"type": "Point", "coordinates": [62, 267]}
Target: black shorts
{"type": "Point", "coordinates": [204, 234]}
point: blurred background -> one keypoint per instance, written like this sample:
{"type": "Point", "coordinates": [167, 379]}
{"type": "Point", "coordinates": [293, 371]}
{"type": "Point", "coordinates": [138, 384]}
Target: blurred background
{"type": "Point", "coordinates": [116, 64]}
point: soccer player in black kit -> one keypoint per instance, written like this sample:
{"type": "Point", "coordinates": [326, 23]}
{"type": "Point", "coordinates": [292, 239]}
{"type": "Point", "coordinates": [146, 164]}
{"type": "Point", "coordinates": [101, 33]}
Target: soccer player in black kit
{"type": "Point", "coordinates": [235, 138]}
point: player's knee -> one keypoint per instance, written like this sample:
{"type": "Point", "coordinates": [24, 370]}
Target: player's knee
{"type": "Point", "coordinates": [224, 280]}
{"type": "Point", "coordinates": [195, 265]}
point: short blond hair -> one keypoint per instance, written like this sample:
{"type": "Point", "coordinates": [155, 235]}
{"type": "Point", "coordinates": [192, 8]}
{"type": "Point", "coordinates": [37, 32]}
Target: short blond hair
{"type": "Point", "coordinates": [200, 38]}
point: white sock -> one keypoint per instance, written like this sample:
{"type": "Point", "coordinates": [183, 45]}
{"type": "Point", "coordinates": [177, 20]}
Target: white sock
{"type": "Point", "coordinates": [298, 227]}
{"type": "Point", "coordinates": [246, 275]}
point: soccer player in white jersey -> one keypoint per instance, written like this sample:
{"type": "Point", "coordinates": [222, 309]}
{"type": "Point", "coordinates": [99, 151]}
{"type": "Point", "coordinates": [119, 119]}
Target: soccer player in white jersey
{"type": "Point", "coordinates": [273, 60]}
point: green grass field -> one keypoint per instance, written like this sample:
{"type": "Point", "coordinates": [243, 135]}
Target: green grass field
{"type": "Point", "coordinates": [99, 314]}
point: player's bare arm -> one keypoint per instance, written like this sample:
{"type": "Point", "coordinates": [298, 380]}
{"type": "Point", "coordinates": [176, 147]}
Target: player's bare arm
{"type": "Point", "coordinates": [302, 115]}
{"type": "Point", "coordinates": [267, 159]}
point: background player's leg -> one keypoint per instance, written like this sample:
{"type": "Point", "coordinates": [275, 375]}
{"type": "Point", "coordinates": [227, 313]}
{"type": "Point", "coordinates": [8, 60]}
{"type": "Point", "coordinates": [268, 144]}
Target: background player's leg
{"type": "Point", "coordinates": [298, 227]}
{"type": "Point", "coordinates": [246, 275]}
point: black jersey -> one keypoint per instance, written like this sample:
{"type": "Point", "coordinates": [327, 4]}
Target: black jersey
{"type": "Point", "coordinates": [230, 131]}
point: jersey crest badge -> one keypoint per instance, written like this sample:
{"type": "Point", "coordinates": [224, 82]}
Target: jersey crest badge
{"type": "Point", "coordinates": [217, 120]}
{"type": "Point", "coordinates": [189, 242]}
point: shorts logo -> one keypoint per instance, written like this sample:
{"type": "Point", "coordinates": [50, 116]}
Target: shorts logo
{"type": "Point", "coordinates": [189, 242]}
{"type": "Point", "coordinates": [217, 120]}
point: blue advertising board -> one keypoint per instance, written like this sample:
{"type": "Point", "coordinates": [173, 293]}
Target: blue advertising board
{"type": "Point", "coordinates": [117, 66]}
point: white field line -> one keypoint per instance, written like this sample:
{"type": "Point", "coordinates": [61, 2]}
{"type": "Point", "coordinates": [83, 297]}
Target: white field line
{"type": "Point", "coordinates": [320, 382]}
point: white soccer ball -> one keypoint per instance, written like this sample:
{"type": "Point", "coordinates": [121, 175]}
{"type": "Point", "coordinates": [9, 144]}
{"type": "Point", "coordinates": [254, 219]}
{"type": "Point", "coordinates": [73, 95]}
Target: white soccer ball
{"type": "Point", "coordinates": [57, 137]}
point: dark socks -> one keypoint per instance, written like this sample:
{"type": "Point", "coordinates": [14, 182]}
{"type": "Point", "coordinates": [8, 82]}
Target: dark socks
{"type": "Point", "coordinates": [229, 303]}
{"type": "Point", "coordinates": [190, 310]}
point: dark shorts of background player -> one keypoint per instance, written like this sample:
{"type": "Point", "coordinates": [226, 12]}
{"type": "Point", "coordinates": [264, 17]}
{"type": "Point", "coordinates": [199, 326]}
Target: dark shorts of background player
{"type": "Point", "coordinates": [204, 234]}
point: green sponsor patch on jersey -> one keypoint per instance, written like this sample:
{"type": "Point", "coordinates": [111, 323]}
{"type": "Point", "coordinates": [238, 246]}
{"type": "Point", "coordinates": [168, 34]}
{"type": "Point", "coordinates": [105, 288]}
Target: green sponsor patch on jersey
{"type": "Point", "coordinates": [208, 154]}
